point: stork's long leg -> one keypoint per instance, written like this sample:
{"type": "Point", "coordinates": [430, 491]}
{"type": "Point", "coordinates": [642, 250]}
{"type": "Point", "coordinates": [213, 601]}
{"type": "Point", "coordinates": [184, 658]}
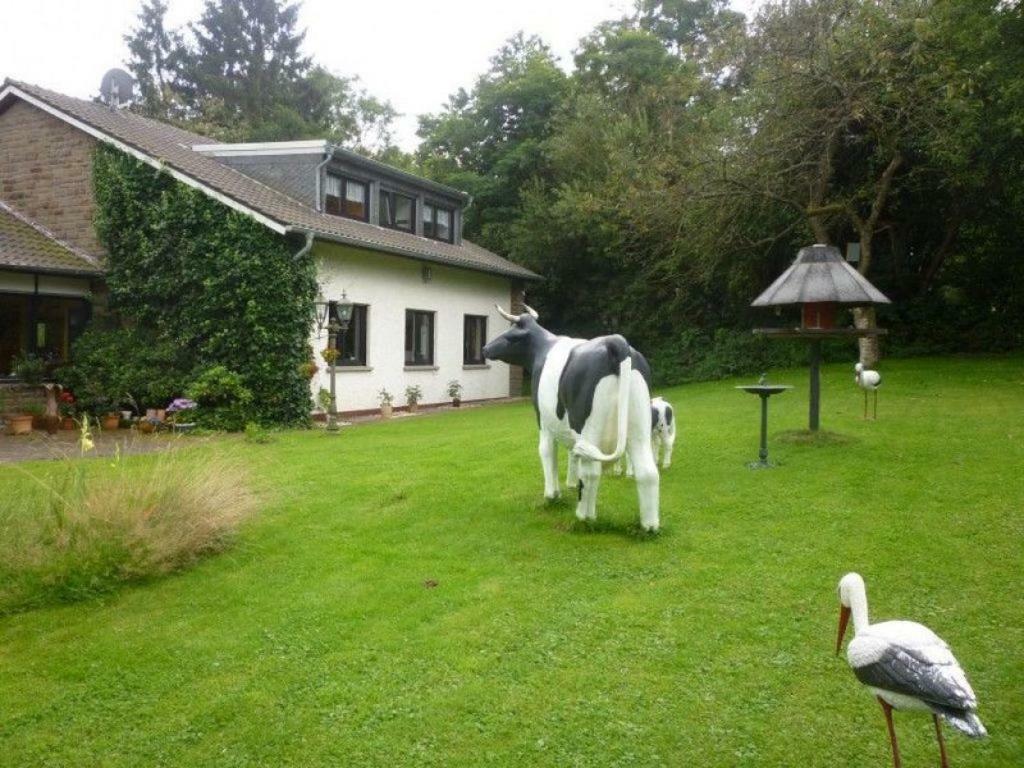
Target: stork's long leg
{"type": "Point", "coordinates": [942, 743]}
{"type": "Point", "coordinates": [865, 404]}
{"type": "Point", "coordinates": [876, 403]}
{"type": "Point", "coordinates": [896, 762]}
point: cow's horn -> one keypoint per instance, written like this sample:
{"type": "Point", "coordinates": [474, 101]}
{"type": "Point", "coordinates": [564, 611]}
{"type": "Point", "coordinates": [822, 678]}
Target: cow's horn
{"type": "Point", "coordinates": [532, 311]}
{"type": "Point", "coordinates": [508, 316]}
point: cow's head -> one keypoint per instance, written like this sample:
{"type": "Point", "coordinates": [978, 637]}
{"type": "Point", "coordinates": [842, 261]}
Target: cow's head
{"type": "Point", "coordinates": [516, 346]}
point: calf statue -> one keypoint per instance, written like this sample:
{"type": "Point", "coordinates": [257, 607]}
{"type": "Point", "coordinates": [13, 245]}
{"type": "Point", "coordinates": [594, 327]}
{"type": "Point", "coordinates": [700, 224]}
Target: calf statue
{"type": "Point", "coordinates": [592, 396]}
{"type": "Point", "coordinates": [663, 436]}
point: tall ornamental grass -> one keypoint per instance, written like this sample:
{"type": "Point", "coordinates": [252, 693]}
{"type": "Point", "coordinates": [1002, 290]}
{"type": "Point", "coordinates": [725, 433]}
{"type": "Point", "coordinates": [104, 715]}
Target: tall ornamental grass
{"type": "Point", "coordinates": [80, 531]}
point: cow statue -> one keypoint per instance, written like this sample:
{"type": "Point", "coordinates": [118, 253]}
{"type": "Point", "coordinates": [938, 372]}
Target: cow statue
{"type": "Point", "coordinates": [592, 396]}
{"type": "Point", "coordinates": [663, 436]}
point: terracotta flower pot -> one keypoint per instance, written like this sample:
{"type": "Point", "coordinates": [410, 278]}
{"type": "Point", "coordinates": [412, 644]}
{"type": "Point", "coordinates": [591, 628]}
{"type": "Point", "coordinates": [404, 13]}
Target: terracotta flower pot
{"type": "Point", "coordinates": [38, 421]}
{"type": "Point", "coordinates": [111, 421]}
{"type": "Point", "coordinates": [68, 423]}
{"type": "Point", "coordinates": [456, 402]}
{"type": "Point", "coordinates": [145, 427]}
{"type": "Point", "coordinates": [386, 411]}
{"type": "Point", "coordinates": [413, 407]}
{"type": "Point", "coordinates": [19, 424]}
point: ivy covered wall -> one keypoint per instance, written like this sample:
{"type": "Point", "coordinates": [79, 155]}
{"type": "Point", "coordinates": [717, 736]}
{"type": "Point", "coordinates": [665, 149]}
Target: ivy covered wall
{"type": "Point", "coordinates": [206, 283]}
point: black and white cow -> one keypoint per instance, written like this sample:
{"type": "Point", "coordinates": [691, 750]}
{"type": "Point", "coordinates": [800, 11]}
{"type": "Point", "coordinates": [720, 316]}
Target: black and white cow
{"type": "Point", "coordinates": [592, 396]}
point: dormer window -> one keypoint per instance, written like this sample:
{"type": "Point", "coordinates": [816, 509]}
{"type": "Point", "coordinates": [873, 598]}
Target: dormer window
{"type": "Point", "coordinates": [397, 211]}
{"type": "Point", "coordinates": [438, 222]}
{"type": "Point", "coordinates": [347, 197]}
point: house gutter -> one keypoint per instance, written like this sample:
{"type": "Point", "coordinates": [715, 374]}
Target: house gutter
{"type": "Point", "coordinates": [308, 245]}
{"type": "Point", "coordinates": [328, 156]}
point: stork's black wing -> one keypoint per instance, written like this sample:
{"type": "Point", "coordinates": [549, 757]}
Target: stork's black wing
{"type": "Point", "coordinates": [935, 678]}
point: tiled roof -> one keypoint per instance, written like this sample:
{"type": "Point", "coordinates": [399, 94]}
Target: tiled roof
{"type": "Point", "coordinates": [170, 146]}
{"type": "Point", "coordinates": [25, 244]}
{"type": "Point", "coordinates": [819, 274]}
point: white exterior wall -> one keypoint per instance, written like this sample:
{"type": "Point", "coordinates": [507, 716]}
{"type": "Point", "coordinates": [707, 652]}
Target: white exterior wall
{"type": "Point", "coordinates": [389, 285]}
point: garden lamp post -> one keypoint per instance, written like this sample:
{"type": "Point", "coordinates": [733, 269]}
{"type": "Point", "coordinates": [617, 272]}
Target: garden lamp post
{"type": "Point", "coordinates": [337, 323]}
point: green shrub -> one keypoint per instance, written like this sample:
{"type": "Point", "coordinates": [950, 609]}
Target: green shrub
{"type": "Point", "coordinates": [115, 366]}
{"type": "Point", "coordinates": [257, 433]}
{"type": "Point", "coordinates": [31, 369]}
{"type": "Point", "coordinates": [210, 282]}
{"type": "Point", "coordinates": [697, 356]}
{"type": "Point", "coordinates": [223, 399]}
{"type": "Point", "coordinates": [78, 533]}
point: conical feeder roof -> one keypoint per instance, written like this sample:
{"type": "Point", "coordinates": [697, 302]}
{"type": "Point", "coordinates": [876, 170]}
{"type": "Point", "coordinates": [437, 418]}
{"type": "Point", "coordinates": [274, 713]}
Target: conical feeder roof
{"type": "Point", "coordinates": [819, 274]}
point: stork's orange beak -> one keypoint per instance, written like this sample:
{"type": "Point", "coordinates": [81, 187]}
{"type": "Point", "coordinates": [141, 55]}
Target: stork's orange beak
{"type": "Point", "coordinates": [844, 618]}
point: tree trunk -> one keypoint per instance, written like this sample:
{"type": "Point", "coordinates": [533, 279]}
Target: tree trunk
{"type": "Point", "coordinates": [870, 352]}
{"type": "Point", "coordinates": [864, 317]}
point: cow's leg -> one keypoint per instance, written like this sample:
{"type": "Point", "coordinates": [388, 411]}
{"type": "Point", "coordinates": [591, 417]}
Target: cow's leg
{"type": "Point", "coordinates": [549, 463]}
{"type": "Point", "coordinates": [629, 464]}
{"type": "Point", "coordinates": [666, 458]}
{"type": "Point", "coordinates": [647, 483]}
{"type": "Point", "coordinates": [590, 476]}
{"type": "Point", "coordinates": [572, 475]}
{"type": "Point", "coordinates": [640, 452]}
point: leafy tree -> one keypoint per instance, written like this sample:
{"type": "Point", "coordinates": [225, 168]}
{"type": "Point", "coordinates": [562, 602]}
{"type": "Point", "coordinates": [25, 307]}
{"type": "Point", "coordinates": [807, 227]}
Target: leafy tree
{"type": "Point", "coordinates": [238, 74]}
{"type": "Point", "coordinates": [154, 51]}
{"type": "Point", "coordinates": [489, 141]}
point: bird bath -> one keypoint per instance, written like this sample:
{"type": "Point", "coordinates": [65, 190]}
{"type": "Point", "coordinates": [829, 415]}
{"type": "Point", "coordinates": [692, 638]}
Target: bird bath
{"type": "Point", "coordinates": [764, 391]}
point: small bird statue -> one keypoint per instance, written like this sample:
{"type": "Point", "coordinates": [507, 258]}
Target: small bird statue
{"type": "Point", "coordinates": [763, 380]}
{"type": "Point", "coordinates": [868, 381]}
{"type": "Point", "coordinates": [906, 666]}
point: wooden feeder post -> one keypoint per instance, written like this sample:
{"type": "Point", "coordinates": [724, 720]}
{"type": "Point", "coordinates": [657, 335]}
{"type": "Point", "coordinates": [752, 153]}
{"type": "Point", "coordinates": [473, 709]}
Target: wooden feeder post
{"type": "Point", "coordinates": [820, 282]}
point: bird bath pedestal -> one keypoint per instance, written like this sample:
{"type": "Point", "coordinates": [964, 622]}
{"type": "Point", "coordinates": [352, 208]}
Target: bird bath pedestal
{"type": "Point", "coordinates": [764, 391]}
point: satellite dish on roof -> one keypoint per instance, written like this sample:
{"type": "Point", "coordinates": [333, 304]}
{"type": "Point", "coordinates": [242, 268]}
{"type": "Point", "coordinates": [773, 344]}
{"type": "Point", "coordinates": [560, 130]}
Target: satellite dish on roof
{"type": "Point", "coordinates": [117, 88]}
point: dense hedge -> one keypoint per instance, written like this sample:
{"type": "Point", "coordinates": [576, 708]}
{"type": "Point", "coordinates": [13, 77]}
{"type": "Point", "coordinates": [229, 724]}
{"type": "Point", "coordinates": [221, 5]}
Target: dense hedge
{"type": "Point", "coordinates": [210, 285]}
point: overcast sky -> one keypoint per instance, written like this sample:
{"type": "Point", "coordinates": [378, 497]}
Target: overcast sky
{"type": "Point", "coordinates": [410, 52]}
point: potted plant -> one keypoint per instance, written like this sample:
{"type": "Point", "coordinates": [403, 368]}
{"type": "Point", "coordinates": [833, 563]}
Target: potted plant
{"type": "Point", "coordinates": [309, 368]}
{"type": "Point", "coordinates": [31, 369]}
{"type": "Point", "coordinates": [17, 423]}
{"type": "Point", "coordinates": [37, 414]}
{"type": "Point", "coordinates": [455, 392]}
{"type": "Point", "coordinates": [413, 395]}
{"type": "Point", "coordinates": [387, 401]}
{"type": "Point", "coordinates": [178, 412]}
{"type": "Point", "coordinates": [110, 421]}
{"type": "Point", "coordinates": [323, 400]}
{"type": "Point", "coordinates": [66, 405]}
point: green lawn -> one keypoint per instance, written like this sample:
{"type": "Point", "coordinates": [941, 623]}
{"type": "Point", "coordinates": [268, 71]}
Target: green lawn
{"type": "Point", "coordinates": [314, 642]}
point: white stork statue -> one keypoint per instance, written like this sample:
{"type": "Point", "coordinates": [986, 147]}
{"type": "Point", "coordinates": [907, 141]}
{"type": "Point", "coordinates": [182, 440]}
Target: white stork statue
{"type": "Point", "coordinates": [868, 381]}
{"type": "Point", "coordinates": [906, 666]}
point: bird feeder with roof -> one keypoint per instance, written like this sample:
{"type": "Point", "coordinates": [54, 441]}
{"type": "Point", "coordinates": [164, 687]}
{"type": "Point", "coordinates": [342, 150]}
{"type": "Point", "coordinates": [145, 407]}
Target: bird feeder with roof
{"type": "Point", "coordinates": [820, 283]}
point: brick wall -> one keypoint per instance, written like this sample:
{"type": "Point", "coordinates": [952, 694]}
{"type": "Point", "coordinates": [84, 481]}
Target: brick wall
{"type": "Point", "coordinates": [15, 398]}
{"type": "Point", "coordinates": [46, 173]}
{"type": "Point", "coordinates": [515, 373]}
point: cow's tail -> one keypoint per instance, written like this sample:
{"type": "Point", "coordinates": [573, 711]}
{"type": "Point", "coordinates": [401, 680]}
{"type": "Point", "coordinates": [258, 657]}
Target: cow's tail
{"type": "Point", "coordinates": [587, 449]}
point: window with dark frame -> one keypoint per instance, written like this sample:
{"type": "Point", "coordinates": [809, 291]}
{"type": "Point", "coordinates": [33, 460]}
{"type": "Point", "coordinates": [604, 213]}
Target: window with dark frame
{"type": "Point", "coordinates": [351, 344]}
{"type": "Point", "coordinates": [438, 222]}
{"type": "Point", "coordinates": [419, 337]}
{"type": "Point", "coordinates": [397, 211]}
{"type": "Point", "coordinates": [347, 197]}
{"type": "Point", "coordinates": [474, 337]}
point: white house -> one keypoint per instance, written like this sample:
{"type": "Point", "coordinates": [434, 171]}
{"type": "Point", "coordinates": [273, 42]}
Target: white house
{"type": "Point", "coordinates": [391, 242]}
